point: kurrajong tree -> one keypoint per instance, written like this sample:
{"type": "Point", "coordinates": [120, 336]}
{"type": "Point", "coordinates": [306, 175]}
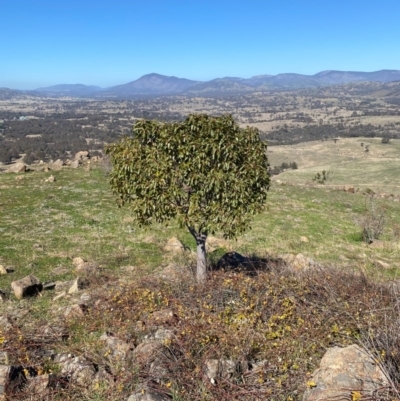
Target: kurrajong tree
{"type": "Point", "coordinates": [207, 172]}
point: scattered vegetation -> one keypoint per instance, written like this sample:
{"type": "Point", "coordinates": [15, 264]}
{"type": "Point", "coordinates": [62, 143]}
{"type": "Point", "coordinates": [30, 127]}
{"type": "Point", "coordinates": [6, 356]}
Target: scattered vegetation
{"type": "Point", "coordinates": [373, 220]}
{"type": "Point", "coordinates": [322, 177]}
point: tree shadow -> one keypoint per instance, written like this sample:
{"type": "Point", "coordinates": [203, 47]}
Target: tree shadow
{"type": "Point", "coordinates": [250, 265]}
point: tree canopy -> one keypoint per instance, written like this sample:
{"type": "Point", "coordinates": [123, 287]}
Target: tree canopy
{"type": "Point", "coordinates": [206, 171]}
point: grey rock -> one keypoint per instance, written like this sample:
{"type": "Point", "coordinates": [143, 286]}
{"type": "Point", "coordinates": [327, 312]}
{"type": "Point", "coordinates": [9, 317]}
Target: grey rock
{"type": "Point", "coordinates": [174, 245]}
{"type": "Point", "coordinates": [163, 316]}
{"type": "Point", "coordinates": [163, 335]}
{"type": "Point", "coordinates": [78, 284]}
{"type": "Point", "coordinates": [63, 285]}
{"type": "Point", "coordinates": [57, 165]}
{"type": "Point", "coordinates": [17, 168]}
{"type": "Point", "coordinates": [50, 285]}
{"type": "Point", "coordinates": [50, 179]}
{"type": "Point", "coordinates": [219, 369]}
{"type": "Point", "coordinates": [75, 164]}
{"type": "Point", "coordinates": [39, 384]}
{"type": "Point", "coordinates": [343, 371]}
{"type": "Point", "coordinates": [76, 369]}
{"type": "Point", "coordinates": [116, 348]}
{"type": "Point", "coordinates": [27, 286]}
{"type": "Point", "coordinates": [148, 351]}
{"type": "Point", "coordinates": [59, 296]}
{"type": "Point", "coordinates": [82, 155]}
{"type": "Point", "coordinates": [75, 311]}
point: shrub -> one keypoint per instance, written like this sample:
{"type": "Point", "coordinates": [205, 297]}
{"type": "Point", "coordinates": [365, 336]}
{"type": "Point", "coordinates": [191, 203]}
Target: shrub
{"type": "Point", "coordinates": [372, 222]}
{"type": "Point", "coordinates": [322, 177]}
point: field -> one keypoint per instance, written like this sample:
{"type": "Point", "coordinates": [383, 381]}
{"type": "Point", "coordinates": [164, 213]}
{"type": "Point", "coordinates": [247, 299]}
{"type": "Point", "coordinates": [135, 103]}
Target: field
{"type": "Point", "coordinates": [347, 160]}
{"type": "Point", "coordinates": [44, 225]}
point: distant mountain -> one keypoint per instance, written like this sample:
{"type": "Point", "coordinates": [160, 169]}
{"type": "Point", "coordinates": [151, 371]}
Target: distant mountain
{"type": "Point", "coordinates": [151, 85]}
{"type": "Point", "coordinates": [219, 86]}
{"type": "Point", "coordinates": [70, 90]}
{"type": "Point", "coordinates": [344, 77]}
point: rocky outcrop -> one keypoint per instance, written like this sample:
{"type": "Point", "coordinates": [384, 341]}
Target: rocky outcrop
{"type": "Point", "coordinates": [81, 156]}
{"type": "Point", "coordinates": [17, 168]}
{"type": "Point", "coordinates": [346, 373]}
{"type": "Point", "coordinates": [57, 165]}
{"type": "Point", "coordinates": [26, 287]}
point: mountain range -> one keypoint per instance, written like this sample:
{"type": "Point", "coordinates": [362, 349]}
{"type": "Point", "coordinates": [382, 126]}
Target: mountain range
{"type": "Point", "coordinates": [160, 85]}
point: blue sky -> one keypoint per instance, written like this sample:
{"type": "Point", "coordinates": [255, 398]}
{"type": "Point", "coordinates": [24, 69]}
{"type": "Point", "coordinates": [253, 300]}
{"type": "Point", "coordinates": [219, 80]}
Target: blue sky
{"type": "Point", "coordinates": [105, 43]}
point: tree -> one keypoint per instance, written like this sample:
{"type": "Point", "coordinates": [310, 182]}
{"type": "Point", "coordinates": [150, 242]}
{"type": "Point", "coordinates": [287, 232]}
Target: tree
{"type": "Point", "coordinates": [206, 171]}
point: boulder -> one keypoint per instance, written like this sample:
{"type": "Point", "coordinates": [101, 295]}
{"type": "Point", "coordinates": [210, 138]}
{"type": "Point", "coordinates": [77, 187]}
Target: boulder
{"type": "Point", "coordinates": [377, 244]}
{"type": "Point", "coordinates": [63, 285]}
{"type": "Point", "coordinates": [349, 189]}
{"type": "Point", "coordinates": [38, 384]}
{"type": "Point", "coordinates": [82, 266]}
{"type": "Point", "coordinates": [77, 285]}
{"type": "Point", "coordinates": [75, 311]}
{"type": "Point", "coordinates": [75, 164]}
{"type": "Point", "coordinates": [299, 262]}
{"type": "Point", "coordinates": [3, 270]}
{"type": "Point", "coordinates": [174, 245]}
{"type": "Point", "coordinates": [76, 369]}
{"type": "Point", "coordinates": [382, 264]}
{"type": "Point", "coordinates": [82, 155]}
{"type": "Point", "coordinates": [162, 316]}
{"type": "Point", "coordinates": [219, 369]}
{"type": "Point", "coordinates": [148, 352]}
{"type": "Point", "coordinates": [116, 348]}
{"type": "Point", "coordinates": [50, 179]}
{"type": "Point", "coordinates": [57, 165]}
{"type": "Point", "coordinates": [17, 168]}
{"type": "Point", "coordinates": [344, 372]}
{"type": "Point", "coordinates": [27, 286]}
{"type": "Point", "coordinates": [304, 239]}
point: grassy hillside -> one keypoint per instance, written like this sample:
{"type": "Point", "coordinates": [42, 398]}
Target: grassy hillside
{"type": "Point", "coordinates": [44, 225]}
{"type": "Point", "coordinates": [281, 320]}
{"type": "Point", "coordinates": [350, 164]}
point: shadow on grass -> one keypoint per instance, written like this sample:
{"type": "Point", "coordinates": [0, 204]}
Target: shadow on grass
{"type": "Point", "coordinates": [249, 265]}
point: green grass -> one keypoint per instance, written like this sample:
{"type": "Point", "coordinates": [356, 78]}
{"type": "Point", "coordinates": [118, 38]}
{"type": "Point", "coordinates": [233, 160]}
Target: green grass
{"type": "Point", "coordinates": [44, 226]}
{"type": "Point", "coordinates": [347, 160]}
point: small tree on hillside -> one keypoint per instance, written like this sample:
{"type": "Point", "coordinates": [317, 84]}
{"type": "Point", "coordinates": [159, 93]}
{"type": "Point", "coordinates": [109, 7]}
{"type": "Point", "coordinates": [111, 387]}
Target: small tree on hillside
{"type": "Point", "coordinates": [206, 171]}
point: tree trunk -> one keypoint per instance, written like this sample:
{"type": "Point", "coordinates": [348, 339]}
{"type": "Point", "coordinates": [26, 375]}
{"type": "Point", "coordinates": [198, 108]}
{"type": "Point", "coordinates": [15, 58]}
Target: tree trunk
{"type": "Point", "coordinates": [201, 274]}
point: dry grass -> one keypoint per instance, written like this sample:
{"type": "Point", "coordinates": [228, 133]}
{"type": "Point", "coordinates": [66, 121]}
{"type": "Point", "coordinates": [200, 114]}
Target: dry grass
{"type": "Point", "coordinates": [275, 326]}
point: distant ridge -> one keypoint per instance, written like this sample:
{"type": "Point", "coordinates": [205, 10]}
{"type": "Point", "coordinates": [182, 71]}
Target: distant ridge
{"type": "Point", "coordinates": [152, 84]}
{"type": "Point", "coordinates": [70, 89]}
{"type": "Point", "coordinates": [160, 85]}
